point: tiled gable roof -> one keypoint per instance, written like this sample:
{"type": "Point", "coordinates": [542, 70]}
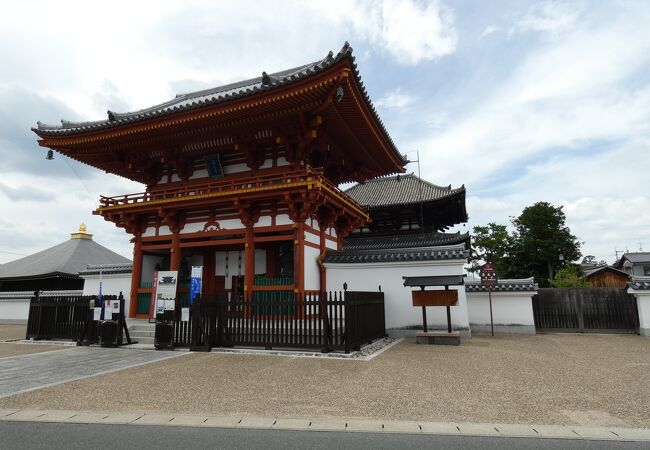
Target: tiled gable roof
{"type": "Point", "coordinates": [400, 190]}
{"type": "Point", "coordinates": [361, 242]}
{"type": "Point", "coordinates": [94, 269]}
{"type": "Point", "coordinates": [505, 285]}
{"type": "Point", "coordinates": [222, 94]}
{"type": "Point", "coordinates": [457, 251]}
{"type": "Point", "coordinates": [640, 283]}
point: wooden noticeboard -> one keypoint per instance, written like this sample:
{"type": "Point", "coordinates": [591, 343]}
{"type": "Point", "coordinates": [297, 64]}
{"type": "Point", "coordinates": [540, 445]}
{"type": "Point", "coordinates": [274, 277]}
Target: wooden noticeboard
{"type": "Point", "coordinates": [435, 298]}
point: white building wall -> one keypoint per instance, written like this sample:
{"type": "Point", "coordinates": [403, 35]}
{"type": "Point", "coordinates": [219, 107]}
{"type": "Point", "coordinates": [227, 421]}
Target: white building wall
{"type": "Point", "coordinates": [112, 284]}
{"type": "Point", "coordinates": [14, 311]}
{"type": "Point", "coordinates": [400, 314]}
{"type": "Point", "coordinates": [643, 306]}
{"type": "Point", "coordinates": [312, 271]}
{"type": "Point", "coordinates": [512, 311]}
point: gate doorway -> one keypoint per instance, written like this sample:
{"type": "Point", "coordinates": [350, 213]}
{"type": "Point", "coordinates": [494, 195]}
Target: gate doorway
{"type": "Point", "coordinates": [584, 310]}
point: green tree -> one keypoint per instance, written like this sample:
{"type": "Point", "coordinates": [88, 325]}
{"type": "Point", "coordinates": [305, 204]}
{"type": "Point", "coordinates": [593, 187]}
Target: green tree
{"type": "Point", "coordinates": [492, 243]}
{"type": "Point", "coordinates": [569, 276]}
{"type": "Point", "coordinates": [543, 242]}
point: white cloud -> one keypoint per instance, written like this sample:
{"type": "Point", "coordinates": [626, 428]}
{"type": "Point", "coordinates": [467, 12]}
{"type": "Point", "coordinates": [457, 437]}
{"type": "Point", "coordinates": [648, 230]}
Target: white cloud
{"type": "Point", "coordinates": [488, 31]}
{"type": "Point", "coordinates": [395, 99]}
{"type": "Point", "coordinates": [552, 17]}
{"type": "Point", "coordinates": [410, 31]}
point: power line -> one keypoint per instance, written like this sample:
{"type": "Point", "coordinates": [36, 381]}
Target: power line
{"type": "Point", "coordinates": [12, 253]}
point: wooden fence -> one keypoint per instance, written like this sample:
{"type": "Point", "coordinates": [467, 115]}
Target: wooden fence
{"type": "Point", "coordinates": [326, 321]}
{"type": "Point", "coordinates": [585, 310]}
{"type": "Point", "coordinates": [59, 316]}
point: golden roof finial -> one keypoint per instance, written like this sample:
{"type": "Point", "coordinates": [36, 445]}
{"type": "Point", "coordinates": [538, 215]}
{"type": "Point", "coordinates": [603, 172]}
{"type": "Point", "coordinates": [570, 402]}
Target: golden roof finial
{"type": "Point", "coordinates": [81, 234]}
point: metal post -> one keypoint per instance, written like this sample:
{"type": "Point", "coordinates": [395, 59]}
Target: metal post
{"type": "Point", "coordinates": [448, 319]}
{"type": "Point", "coordinates": [424, 315]}
{"type": "Point", "coordinates": [491, 318]}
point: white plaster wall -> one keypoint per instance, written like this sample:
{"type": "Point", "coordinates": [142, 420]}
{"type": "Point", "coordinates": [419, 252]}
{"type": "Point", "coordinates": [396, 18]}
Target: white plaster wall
{"type": "Point", "coordinates": [230, 224]}
{"type": "Point", "coordinates": [235, 168]}
{"type": "Point", "coordinates": [150, 231]}
{"type": "Point", "coordinates": [264, 221]}
{"type": "Point", "coordinates": [201, 173]}
{"type": "Point", "coordinates": [193, 227]}
{"type": "Point", "coordinates": [312, 271]}
{"type": "Point", "coordinates": [509, 309]}
{"type": "Point", "coordinates": [164, 230]}
{"type": "Point", "coordinates": [643, 306]}
{"type": "Point", "coordinates": [14, 311]}
{"type": "Point", "coordinates": [283, 219]}
{"type": "Point", "coordinates": [111, 285]}
{"type": "Point", "coordinates": [311, 237]}
{"type": "Point", "coordinates": [260, 261]}
{"type": "Point", "coordinates": [282, 161]}
{"type": "Point", "coordinates": [397, 299]}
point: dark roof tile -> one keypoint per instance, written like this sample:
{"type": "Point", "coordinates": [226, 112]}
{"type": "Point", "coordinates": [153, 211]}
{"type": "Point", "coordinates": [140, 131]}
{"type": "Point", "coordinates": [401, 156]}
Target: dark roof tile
{"type": "Point", "coordinates": [400, 190]}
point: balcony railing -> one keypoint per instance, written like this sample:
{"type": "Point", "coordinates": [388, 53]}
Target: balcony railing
{"type": "Point", "coordinates": [261, 182]}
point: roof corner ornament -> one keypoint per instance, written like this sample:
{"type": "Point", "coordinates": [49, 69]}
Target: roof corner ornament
{"type": "Point", "coordinates": [339, 94]}
{"type": "Point", "coordinates": [50, 155]}
{"type": "Point", "coordinates": [111, 116]}
{"type": "Point", "coordinates": [266, 79]}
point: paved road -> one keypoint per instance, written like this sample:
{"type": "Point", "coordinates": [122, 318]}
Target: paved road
{"type": "Point", "coordinates": [33, 371]}
{"type": "Point", "coordinates": [52, 436]}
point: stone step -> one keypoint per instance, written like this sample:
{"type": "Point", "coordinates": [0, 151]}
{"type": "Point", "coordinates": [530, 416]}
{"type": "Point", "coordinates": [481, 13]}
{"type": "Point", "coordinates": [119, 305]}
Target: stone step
{"type": "Point", "coordinates": [143, 340]}
{"type": "Point", "coordinates": [142, 327]}
{"type": "Point", "coordinates": [142, 333]}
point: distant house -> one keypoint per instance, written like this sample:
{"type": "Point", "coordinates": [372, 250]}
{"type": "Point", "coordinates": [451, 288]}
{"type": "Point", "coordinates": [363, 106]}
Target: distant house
{"type": "Point", "coordinates": [57, 268]}
{"type": "Point", "coordinates": [606, 276]}
{"type": "Point", "coordinates": [636, 263]}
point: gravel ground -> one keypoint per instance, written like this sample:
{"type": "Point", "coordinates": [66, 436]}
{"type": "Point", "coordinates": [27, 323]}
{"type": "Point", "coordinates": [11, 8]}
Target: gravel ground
{"type": "Point", "coordinates": [594, 380]}
{"type": "Point", "coordinates": [8, 349]}
{"type": "Point", "coordinates": [12, 332]}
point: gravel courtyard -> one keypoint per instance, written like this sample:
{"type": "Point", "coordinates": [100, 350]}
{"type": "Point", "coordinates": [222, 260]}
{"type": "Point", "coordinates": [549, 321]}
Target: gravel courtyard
{"type": "Point", "coordinates": [594, 380]}
{"type": "Point", "coordinates": [12, 332]}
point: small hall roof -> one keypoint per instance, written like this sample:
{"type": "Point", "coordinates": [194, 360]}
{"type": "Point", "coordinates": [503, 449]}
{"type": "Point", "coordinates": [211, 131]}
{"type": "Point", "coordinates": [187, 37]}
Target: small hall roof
{"type": "Point", "coordinates": [400, 190]}
{"type": "Point", "coordinates": [65, 259]}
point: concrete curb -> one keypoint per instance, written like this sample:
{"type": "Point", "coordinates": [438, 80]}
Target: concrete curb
{"type": "Point", "coordinates": [329, 424]}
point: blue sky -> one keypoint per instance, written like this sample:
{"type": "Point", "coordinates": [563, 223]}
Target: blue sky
{"type": "Point", "coordinates": [520, 101]}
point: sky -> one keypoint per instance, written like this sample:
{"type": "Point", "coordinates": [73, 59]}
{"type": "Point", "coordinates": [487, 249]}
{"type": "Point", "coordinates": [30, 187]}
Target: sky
{"type": "Point", "coordinates": [520, 101]}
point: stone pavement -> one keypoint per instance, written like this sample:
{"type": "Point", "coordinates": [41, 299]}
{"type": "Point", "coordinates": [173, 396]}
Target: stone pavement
{"type": "Point", "coordinates": [334, 424]}
{"type": "Point", "coordinates": [34, 371]}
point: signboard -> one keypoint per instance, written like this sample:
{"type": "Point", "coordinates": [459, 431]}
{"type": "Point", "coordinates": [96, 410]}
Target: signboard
{"type": "Point", "coordinates": [166, 290]}
{"type": "Point", "coordinates": [108, 309]}
{"type": "Point", "coordinates": [152, 304]}
{"type": "Point", "coordinates": [185, 314]}
{"type": "Point", "coordinates": [488, 275]}
{"type": "Point", "coordinates": [97, 313]}
{"type": "Point", "coordinates": [213, 164]}
{"type": "Point", "coordinates": [195, 282]}
{"type": "Point", "coordinates": [435, 298]}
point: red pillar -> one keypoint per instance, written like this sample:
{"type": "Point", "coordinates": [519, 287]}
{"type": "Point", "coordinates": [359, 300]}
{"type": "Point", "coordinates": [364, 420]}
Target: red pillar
{"type": "Point", "coordinates": [249, 262]}
{"type": "Point", "coordinates": [299, 272]}
{"type": "Point", "coordinates": [136, 274]}
{"type": "Point", "coordinates": [323, 249]}
{"type": "Point", "coordinates": [175, 259]}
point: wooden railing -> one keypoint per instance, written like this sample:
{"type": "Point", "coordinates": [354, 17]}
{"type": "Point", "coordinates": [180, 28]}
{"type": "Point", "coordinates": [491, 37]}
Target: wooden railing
{"type": "Point", "coordinates": [326, 321]}
{"type": "Point", "coordinates": [226, 185]}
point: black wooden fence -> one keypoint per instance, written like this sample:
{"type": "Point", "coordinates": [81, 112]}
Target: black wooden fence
{"type": "Point", "coordinates": [585, 310]}
{"type": "Point", "coordinates": [59, 316]}
{"type": "Point", "coordinates": [326, 321]}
